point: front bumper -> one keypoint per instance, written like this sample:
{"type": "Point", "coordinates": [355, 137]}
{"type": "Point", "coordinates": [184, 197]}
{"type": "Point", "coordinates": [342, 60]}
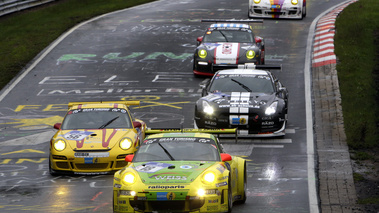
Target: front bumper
{"type": "Point", "coordinates": [292, 12]}
{"type": "Point", "coordinates": [246, 124]}
{"type": "Point", "coordinates": [94, 165]}
{"type": "Point", "coordinates": [172, 201]}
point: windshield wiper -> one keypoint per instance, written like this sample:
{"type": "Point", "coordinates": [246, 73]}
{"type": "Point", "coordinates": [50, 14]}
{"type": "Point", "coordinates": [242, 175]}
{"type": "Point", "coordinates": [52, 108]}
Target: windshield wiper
{"type": "Point", "coordinates": [242, 85]}
{"type": "Point", "coordinates": [226, 39]}
{"type": "Point", "coordinates": [109, 122]}
{"type": "Point", "coordinates": [165, 150]}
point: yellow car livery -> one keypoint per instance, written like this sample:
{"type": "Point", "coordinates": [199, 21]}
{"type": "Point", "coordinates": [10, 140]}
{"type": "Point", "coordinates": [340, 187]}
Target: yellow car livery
{"type": "Point", "coordinates": [180, 172]}
{"type": "Point", "coordinates": [94, 138]}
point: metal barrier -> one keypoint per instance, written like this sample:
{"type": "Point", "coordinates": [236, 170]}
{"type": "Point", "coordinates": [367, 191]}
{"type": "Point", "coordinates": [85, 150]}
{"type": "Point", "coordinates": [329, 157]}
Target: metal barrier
{"type": "Point", "coordinates": [11, 6]}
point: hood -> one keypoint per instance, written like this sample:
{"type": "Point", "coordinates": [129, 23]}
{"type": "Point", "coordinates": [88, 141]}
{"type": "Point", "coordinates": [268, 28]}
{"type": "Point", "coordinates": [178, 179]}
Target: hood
{"type": "Point", "coordinates": [227, 53]}
{"type": "Point", "coordinates": [240, 99]}
{"type": "Point", "coordinates": [170, 171]}
{"type": "Point", "coordinates": [95, 139]}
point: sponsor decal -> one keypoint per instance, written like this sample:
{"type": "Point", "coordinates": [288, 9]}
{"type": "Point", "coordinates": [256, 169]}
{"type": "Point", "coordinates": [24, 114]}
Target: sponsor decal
{"type": "Point", "coordinates": [152, 167]}
{"type": "Point", "coordinates": [77, 135]}
{"type": "Point", "coordinates": [166, 187]}
{"type": "Point", "coordinates": [210, 123]}
{"type": "Point", "coordinates": [170, 196]}
{"type": "Point", "coordinates": [91, 173]}
{"type": "Point", "coordinates": [186, 167]}
{"type": "Point", "coordinates": [223, 178]}
{"type": "Point", "coordinates": [91, 154]}
{"type": "Point", "coordinates": [268, 123]}
{"type": "Point", "coordinates": [170, 177]}
{"type": "Point", "coordinates": [213, 201]}
{"type": "Point", "coordinates": [161, 195]}
{"type": "Point", "coordinates": [212, 208]}
{"type": "Point", "coordinates": [266, 118]}
{"type": "Point", "coordinates": [220, 168]}
{"type": "Point", "coordinates": [221, 184]}
{"type": "Point", "coordinates": [88, 160]}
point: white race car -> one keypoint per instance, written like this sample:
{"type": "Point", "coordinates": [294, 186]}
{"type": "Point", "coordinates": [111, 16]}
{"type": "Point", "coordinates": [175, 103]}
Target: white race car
{"type": "Point", "coordinates": [290, 9]}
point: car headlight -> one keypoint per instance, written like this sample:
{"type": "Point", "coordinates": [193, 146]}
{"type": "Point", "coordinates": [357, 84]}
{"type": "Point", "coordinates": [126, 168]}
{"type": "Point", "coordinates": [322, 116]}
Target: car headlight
{"type": "Point", "coordinates": [202, 53]}
{"type": "Point", "coordinates": [209, 177]}
{"type": "Point", "coordinates": [129, 178]}
{"type": "Point", "coordinates": [272, 108]}
{"type": "Point", "coordinates": [126, 143]}
{"type": "Point", "coordinates": [201, 192]}
{"type": "Point", "coordinates": [257, 1]}
{"type": "Point", "coordinates": [294, 2]}
{"type": "Point", "coordinates": [208, 109]}
{"type": "Point", "coordinates": [250, 54]}
{"type": "Point", "coordinates": [59, 145]}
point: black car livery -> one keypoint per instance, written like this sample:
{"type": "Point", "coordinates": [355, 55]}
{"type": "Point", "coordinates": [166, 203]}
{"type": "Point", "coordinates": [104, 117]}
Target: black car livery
{"type": "Point", "coordinates": [254, 101]}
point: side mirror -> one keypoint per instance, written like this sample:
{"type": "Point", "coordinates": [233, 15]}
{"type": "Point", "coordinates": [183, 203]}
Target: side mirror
{"type": "Point", "coordinates": [199, 40]}
{"type": "Point", "coordinates": [203, 85]}
{"type": "Point", "coordinates": [57, 126]}
{"type": "Point", "coordinates": [129, 158]}
{"type": "Point", "coordinates": [225, 157]}
{"type": "Point", "coordinates": [258, 39]}
{"type": "Point", "coordinates": [137, 124]}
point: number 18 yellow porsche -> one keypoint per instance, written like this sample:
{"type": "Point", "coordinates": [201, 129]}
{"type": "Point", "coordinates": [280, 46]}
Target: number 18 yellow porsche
{"type": "Point", "coordinates": [180, 172]}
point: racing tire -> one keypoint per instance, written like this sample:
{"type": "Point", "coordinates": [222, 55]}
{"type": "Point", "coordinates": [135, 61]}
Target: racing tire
{"type": "Point", "coordinates": [304, 12]}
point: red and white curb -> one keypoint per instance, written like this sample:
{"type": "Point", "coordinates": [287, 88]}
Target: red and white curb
{"type": "Point", "coordinates": [323, 46]}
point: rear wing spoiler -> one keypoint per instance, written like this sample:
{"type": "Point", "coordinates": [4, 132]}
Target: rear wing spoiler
{"type": "Point", "coordinates": [249, 66]}
{"type": "Point", "coordinates": [233, 20]}
{"type": "Point", "coordinates": [217, 132]}
{"type": "Point", "coordinates": [258, 66]}
{"type": "Point", "coordinates": [128, 103]}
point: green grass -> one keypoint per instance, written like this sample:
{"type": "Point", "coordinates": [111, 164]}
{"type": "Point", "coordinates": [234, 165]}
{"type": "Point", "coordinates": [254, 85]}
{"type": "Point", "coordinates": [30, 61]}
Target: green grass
{"type": "Point", "coordinates": [25, 34]}
{"type": "Point", "coordinates": [357, 52]}
{"type": "Point", "coordinates": [370, 200]}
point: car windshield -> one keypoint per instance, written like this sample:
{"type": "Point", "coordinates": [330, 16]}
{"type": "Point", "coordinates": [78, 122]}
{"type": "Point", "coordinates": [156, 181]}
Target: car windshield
{"type": "Point", "coordinates": [177, 149]}
{"type": "Point", "coordinates": [97, 119]}
{"type": "Point", "coordinates": [242, 83]}
{"type": "Point", "coordinates": [228, 36]}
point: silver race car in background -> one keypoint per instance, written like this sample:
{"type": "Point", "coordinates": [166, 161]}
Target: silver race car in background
{"type": "Point", "coordinates": [226, 44]}
{"type": "Point", "coordinates": [252, 100]}
{"type": "Point", "coordinates": [290, 9]}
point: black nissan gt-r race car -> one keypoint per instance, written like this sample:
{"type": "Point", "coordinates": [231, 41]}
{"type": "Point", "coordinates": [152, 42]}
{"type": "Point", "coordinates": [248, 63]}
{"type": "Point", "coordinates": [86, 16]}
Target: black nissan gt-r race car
{"type": "Point", "coordinates": [227, 44]}
{"type": "Point", "coordinates": [252, 100]}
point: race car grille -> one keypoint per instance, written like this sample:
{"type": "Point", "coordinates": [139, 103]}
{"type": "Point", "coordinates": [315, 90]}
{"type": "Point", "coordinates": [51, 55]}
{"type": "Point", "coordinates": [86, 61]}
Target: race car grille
{"type": "Point", "coordinates": [91, 166]}
{"type": "Point", "coordinates": [275, 13]}
{"type": "Point", "coordinates": [121, 164]}
{"type": "Point", "coordinates": [168, 205]}
{"type": "Point", "coordinates": [62, 165]}
{"type": "Point", "coordinates": [258, 11]}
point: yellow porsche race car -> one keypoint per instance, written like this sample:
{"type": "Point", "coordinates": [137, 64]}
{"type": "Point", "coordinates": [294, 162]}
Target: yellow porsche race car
{"type": "Point", "coordinates": [94, 138]}
{"type": "Point", "coordinates": [182, 171]}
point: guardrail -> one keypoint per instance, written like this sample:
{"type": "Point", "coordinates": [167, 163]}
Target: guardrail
{"type": "Point", "coordinates": [11, 6]}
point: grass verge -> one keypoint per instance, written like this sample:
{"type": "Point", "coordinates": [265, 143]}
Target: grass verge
{"type": "Point", "coordinates": [25, 34]}
{"type": "Point", "coordinates": [357, 50]}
